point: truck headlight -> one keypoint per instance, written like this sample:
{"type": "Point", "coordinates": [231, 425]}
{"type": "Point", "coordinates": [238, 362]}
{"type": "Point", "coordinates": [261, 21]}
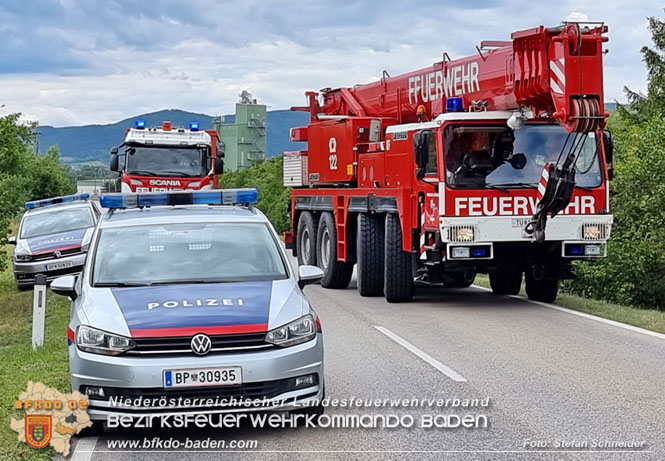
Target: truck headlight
{"type": "Point", "coordinates": [461, 234]}
{"type": "Point", "coordinates": [22, 257]}
{"type": "Point", "coordinates": [297, 332]}
{"type": "Point", "coordinates": [593, 232]}
{"type": "Point", "coordinates": [96, 341]}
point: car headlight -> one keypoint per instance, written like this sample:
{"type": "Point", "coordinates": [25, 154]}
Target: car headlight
{"type": "Point", "coordinates": [90, 339]}
{"type": "Point", "coordinates": [296, 332]}
{"type": "Point", "coordinates": [22, 257]}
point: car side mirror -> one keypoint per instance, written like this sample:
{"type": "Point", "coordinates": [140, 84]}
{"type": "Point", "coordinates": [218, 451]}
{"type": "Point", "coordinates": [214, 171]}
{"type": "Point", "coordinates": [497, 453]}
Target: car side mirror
{"type": "Point", "coordinates": [65, 286]}
{"type": "Point", "coordinates": [115, 164]}
{"type": "Point", "coordinates": [114, 151]}
{"type": "Point", "coordinates": [12, 240]}
{"type": "Point", "coordinates": [421, 152]}
{"type": "Point", "coordinates": [308, 275]}
{"type": "Point", "coordinates": [219, 165]}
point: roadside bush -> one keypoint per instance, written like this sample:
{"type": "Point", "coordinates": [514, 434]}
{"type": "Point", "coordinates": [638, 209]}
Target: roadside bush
{"type": "Point", "coordinates": [634, 271]}
{"type": "Point", "coordinates": [273, 196]}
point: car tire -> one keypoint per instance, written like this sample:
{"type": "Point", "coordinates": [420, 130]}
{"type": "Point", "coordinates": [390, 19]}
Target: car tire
{"type": "Point", "coordinates": [370, 254]}
{"type": "Point", "coordinates": [544, 290]}
{"type": "Point", "coordinates": [398, 283]}
{"type": "Point", "coordinates": [306, 239]}
{"type": "Point", "coordinates": [506, 282]}
{"type": "Point", "coordinates": [459, 280]}
{"type": "Point", "coordinates": [336, 274]}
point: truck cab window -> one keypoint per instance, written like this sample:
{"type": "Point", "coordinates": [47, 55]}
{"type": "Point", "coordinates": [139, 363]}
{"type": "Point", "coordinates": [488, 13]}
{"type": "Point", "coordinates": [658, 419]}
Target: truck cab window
{"type": "Point", "coordinates": [432, 157]}
{"type": "Point", "coordinates": [496, 156]}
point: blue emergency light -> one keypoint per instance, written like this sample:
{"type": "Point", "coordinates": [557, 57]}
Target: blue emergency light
{"type": "Point", "coordinates": [454, 105]}
{"type": "Point", "coordinates": [202, 197]}
{"type": "Point", "coordinates": [139, 124]}
{"type": "Point", "coordinates": [194, 126]}
{"type": "Point", "coordinates": [52, 201]}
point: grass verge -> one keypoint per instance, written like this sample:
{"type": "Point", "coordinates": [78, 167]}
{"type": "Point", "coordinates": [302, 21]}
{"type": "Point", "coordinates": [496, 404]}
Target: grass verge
{"type": "Point", "coordinates": [20, 364]}
{"type": "Point", "coordinates": [644, 318]}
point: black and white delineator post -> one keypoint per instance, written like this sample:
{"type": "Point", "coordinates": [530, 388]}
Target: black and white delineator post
{"type": "Point", "coordinates": [38, 311]}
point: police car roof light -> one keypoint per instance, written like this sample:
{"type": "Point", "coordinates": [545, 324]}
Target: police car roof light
{"type": "Point", "coordinates": [194, 126]}
{"type": "Point", "coordinates": [52, 201]}
{"type": "Point", "coordinates": [206, 197]}
{"type": "Point", "coordinates": [140, 124]}
{"type": "Point", "coordinates": [454, 105]}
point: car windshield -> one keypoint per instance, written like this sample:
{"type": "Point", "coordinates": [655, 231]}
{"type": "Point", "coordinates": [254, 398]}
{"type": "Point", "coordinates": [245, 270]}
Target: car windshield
{"type": "Point", "coordinates": [178, 162]}
{"type": "Point", "coordinates": [187, 253]}
{"type": "Point", "coordinates": [56, 221]}
{"type": "Point", "coordinates": [481, 156]}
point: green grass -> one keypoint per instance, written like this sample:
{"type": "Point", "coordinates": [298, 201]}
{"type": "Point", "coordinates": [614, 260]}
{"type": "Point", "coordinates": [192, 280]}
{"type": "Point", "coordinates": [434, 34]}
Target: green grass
{"type": "Point", "coordinates": [644, 318]}
{"type": "Point", "coordinates": [20, 364]}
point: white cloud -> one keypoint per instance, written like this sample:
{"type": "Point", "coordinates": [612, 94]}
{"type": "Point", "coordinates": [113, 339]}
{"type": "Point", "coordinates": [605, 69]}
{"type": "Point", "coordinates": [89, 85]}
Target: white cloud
{"type": "Point", "coordinates": [101, 63]}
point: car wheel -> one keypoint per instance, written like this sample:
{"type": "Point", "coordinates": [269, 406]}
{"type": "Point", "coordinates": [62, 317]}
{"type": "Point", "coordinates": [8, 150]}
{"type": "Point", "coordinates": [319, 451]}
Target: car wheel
{"type": "Point", "coordinates": [506, 282]}
{"type": "Point", "coordinates": [306, 239]}
{"type": "Point", "coordinates": [398, 283]}
{"type": "Point", "coordinates": [543, 290]}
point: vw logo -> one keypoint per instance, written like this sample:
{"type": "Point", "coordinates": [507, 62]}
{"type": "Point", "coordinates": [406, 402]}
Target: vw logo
{"type": "Point", "coordinates": [201, 344]}
{"type": "Point", "coordinates": [57, 254]}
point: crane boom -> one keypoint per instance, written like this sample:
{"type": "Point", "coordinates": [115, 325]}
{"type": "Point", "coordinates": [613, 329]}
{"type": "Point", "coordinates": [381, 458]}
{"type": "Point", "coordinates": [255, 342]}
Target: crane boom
{"type": "Point", "coordinates": [556, 72]}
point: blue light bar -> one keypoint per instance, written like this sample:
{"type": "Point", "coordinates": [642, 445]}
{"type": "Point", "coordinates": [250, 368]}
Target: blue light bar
{"type": "Point", "coordinates": [172, 198]}
{"type": "Point", "coordinates": [454, 105]}
{"type": "Point", "coordinates": [140, 124]}
{"type": "Point", "coordinates": [194, 126]}
{"type": "Point", "coordinates": [478, 252]}
{"type": "Point", "coordinates": [52, 201]}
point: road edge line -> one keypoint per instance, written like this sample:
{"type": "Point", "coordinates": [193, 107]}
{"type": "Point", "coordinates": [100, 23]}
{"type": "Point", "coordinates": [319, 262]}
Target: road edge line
{"type": "Point", "coordinates": [625, 326]}
{"type": "Point", "coordinates": [84, 449]}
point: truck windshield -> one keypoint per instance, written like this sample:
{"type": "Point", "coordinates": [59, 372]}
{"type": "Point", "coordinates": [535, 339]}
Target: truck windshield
{"type": "Point", "coordinates": [481, 156]}
{"type": "Point", "coordinates": [166, 161]}
{"type": "Point", "coordinates": [56, 221]}
{"type": "Point", "coordinates": [164, 254]}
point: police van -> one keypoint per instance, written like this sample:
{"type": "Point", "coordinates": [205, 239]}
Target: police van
{"type": "Point", "coordinates": [188, 304]}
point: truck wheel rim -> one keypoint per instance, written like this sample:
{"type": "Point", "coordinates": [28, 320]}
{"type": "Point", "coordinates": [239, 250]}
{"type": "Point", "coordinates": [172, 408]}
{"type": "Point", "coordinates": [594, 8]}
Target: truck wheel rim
{"type": "Point", "coordinates": [325, 248]}
{"type": "Point", "coordinates": [305, 246]}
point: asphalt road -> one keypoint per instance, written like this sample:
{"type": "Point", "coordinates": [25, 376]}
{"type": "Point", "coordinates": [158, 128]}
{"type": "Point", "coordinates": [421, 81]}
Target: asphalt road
{"type": "Point", "coordinates": [551, 377]}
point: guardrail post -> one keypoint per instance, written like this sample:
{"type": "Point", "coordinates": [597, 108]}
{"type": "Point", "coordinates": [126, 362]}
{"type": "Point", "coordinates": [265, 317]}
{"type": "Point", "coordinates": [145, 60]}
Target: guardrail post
{"type": "Point", "coordinates": [38, 311]}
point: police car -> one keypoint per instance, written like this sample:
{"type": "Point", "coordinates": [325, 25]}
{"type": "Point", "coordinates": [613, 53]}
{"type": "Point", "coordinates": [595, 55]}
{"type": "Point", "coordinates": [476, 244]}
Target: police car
{"type": "Point", "coordinates": [53, 237]}
{"type": "Point", "coordinates": [188, 305]}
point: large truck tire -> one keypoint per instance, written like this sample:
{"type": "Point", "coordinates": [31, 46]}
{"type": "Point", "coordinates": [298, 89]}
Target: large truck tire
{"type": "Point", "coordinates": [337, 274]}
{"type": "Point", "coordinates": [398, 277]}
{"type": "Point", "coordinates": [459, 279]}
{"type": "Point", "coordinates": [306, 239]}
{"type": "Point", "coordinates": [370, 254]}
{"type": "Point", "coordinates": [544, 290]}
{"type": "Point", "coordinates": [506, 282]}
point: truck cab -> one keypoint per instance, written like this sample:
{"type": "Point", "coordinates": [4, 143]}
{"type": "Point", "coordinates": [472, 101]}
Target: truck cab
{"type": "Point", "coordinates": [168, 158]}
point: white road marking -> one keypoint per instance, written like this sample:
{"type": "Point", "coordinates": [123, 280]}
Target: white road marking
{"type": "Point", "coordinates": [84, 449]}
{"type": "Point", "coordinates": [452, 374]}
{"type": "Point", "coordinates": [625, 326]}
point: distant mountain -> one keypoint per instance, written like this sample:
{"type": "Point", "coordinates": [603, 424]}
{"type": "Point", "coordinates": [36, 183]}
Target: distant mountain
{"type": "Point", "coordinates": [89, 143]}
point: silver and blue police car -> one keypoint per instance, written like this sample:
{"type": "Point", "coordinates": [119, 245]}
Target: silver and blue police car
{"type": "Point", "coordinates": [53, 238]}
{"type": "Point", "coordinates": [188, 305]}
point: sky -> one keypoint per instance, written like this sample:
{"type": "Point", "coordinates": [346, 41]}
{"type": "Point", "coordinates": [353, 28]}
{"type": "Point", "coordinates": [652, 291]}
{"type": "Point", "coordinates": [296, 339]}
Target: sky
{"type": "Point", "coordinates": [79, 62]}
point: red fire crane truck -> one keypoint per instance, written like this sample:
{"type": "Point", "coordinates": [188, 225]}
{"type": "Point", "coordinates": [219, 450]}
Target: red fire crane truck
{"type": "Point", "coordinates": [168, 158]}
{"type": "Point", "coordinates": [494, 163]}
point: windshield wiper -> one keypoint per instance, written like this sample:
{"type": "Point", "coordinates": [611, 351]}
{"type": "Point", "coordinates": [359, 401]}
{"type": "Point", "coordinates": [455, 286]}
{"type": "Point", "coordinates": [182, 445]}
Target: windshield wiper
{"type": "Point", "coordinates": [492, 186]}
{"type": "Point", "coordinates": [526, 185]}
{"type": "Point", "coordinates": [141, 173]}
{"type": "Point", "coordinates": [178, 174]}
{"type": "Point", "coordinates": [187, 282]}
{"type": "Point", "coordinates": [121, 284]}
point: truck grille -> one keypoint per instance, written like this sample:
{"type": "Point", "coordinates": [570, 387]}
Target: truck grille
{"type": "Point", "coordinates": [182, 345]}
{"type": "Point", "coordinates": [51, 255]}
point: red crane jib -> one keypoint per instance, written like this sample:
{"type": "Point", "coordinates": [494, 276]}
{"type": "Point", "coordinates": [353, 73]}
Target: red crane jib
{"type": "Point", "coordinates": [556, 72]}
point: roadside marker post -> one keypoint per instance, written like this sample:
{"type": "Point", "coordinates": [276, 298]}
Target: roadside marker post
{"type": "Point", "coordinates": [38, 311]}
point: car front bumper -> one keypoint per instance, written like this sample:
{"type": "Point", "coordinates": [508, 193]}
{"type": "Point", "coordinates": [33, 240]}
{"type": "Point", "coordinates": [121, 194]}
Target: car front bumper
{"type": "Point", "coordinates": [25, 271]}
{"type": "Point", "coordinates": [268, 376]}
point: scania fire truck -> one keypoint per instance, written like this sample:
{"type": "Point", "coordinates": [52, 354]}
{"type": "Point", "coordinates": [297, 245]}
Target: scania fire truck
{"type": "Point", "coordinates": [168, 158]}
{"type": "Point", "coordinates": [494, 163]}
